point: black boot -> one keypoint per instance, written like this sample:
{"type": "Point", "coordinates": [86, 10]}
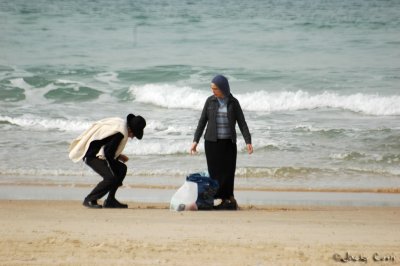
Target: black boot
{"type": "Point", "coordinates": [91, 204]}
{"type": "Point", "coordinates": [227, 205]}
{"type": "Point", "coordinates": [114, 203]}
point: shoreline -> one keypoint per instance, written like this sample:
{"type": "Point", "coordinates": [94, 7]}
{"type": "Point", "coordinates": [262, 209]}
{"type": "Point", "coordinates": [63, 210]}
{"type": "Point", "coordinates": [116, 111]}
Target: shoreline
{"type": "Point", "coordinates": [43, 232]}
{"type": "Point", "coordinates": [150, 194]}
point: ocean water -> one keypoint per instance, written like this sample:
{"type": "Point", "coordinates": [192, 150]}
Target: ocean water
{"type": "Point", "coordinates": [319, 83]}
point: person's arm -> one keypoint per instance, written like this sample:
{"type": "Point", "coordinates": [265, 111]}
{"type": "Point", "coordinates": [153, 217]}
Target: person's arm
{"type": "Point", "coordinates": [200, 128]}
{"type": "Point", "coordinates": [111, 147]}
{"type": "Point", "coordinates": [243, 127]}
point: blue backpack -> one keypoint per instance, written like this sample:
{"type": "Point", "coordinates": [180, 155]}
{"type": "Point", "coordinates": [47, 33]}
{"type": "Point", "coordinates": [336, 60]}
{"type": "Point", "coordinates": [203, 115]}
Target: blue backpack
{"type": "Point", "coordinates": [207, 188]}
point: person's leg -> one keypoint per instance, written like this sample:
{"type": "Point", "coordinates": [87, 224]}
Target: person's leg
{"type": "Point", "coordinates": [227, 165]}
{"type": "Point", "coordinates": [101, 167]}
{"type": "Point", "coordinates": [213, 157]}
{"type": "Point", "coordinates": [230, 166]}
{"type": "Point", "coordinates": [120, 170]}
{"type": "Point", "coordinates": [210, 149]}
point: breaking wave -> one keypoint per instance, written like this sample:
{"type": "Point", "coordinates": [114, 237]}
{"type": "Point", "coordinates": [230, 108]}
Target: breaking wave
{"type": "Point", "coordinates": [170, 96]}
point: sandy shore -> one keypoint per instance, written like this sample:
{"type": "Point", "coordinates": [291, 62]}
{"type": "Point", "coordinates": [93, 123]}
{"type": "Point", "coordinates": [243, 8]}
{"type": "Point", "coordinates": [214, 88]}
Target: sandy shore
{"type": "Point", "coordinates": [66, 233]}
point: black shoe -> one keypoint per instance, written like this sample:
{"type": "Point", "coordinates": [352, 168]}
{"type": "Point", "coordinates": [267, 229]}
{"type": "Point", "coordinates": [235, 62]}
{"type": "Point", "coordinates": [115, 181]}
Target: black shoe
{"type": "Point", "coordinates": [227, 205]}
{"type": "Point", "coordinates": [91, 204]}
{"type": "Point", "coordinates": [113, 203]}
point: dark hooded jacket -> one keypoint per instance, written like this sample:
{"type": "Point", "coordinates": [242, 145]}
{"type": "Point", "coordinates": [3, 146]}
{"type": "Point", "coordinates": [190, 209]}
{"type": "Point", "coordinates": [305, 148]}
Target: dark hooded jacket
{"type": "Point", "coordinates": [209, 114]}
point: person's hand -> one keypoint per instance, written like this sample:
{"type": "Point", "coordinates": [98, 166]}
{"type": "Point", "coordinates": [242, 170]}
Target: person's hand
{"type": "Point", "coordinates": [193, 149]}
{"type": "Point", "coordinates": [249, 148]}
{"type": "Point", "coordinates": [123, 158]}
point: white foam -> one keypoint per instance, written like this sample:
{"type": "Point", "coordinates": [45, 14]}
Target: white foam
{"type": "Point", "coordinates": [67, 81]}
{"type": "Point", "coordinates": [160, 128]}
{"type": "Point", "coordinates": [20, 83]}
{"type": "Point", "coordinates": [160, 147]}
{"type": "Point", "coordinates": [33, 122]}
{"type": "Point", "coordinates": [300, 100]}
{"type": "Point", "coordinates": [167, 146]}
{"type": "Point", "coordinates": [346, 155]}
{"type": "Point", "coordinates": [170, 96]}
{"type": "Point", "coordinates": [107, 77]}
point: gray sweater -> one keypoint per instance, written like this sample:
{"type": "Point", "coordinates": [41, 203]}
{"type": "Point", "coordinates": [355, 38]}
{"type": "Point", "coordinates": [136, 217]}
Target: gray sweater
{"type": "Point", "coordinates": [209, 114]}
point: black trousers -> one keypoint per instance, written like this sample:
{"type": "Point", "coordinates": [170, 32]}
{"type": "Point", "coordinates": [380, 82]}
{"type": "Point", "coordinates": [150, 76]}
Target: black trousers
{"type": "Point", "coordinates": [221, 161]}
{"type": "Point", "coordinates": [112, 178]}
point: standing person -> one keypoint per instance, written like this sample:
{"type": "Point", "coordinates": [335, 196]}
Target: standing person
{"type": "Point", "coordinates": [101, 148]}
{"type": "Point", "coordinates": [221, 112]}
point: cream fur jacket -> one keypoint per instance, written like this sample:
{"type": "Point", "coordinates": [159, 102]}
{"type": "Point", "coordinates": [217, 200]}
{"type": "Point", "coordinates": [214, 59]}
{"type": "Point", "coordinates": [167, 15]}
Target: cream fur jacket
{"type": "Point", "coordinates": [99, 130]}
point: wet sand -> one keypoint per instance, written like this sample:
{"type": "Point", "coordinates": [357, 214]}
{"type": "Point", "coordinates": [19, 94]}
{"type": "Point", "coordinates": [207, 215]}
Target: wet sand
{"type": "Point", "coordinates": [39, 232]}
{"type": "Point", "coordinates": [151, 194]}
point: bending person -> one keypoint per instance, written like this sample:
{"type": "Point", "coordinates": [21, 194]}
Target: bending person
{"type": "Point", "coordinates": [101, 148]}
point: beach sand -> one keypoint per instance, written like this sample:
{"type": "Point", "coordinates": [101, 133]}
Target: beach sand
{"type": "Point", "coordinates": [66, 233]}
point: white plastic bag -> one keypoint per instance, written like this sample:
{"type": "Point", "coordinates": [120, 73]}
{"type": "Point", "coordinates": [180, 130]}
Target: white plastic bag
{"type": "Point", "coordinates": [185, 197]}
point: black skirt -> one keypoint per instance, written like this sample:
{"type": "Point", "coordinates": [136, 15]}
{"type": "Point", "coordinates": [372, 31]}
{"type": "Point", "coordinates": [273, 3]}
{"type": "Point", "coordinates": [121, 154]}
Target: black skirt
{"type": "Point", "coordinates": [221, 161]}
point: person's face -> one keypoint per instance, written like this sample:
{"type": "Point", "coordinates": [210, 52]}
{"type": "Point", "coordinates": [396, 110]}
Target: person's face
{"type": "Point", "coordinates": [216, 91]}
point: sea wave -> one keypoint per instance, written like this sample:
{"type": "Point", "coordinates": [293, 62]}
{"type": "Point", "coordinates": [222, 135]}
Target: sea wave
{"type": "Point", "coordinates": [348, 156]}
{"type": "Point", "coordinates": [170, 96]}
{"type": "Point", "coordinates": [36, 88]}
{"type": "Point", "coordinates": [181, 146]}
{"type": "Point", "coordinates": [39, 123]}
{"type": "Point", "coordinates": [161, 139]}
{"type": "Point", "coordinates": [72, 94]}
{"type": "Point", "coordinates": [161, 147]}
{"type": "Point", "coordinates": [20, 83]}
{"type": "Point", "coordinates": [107, 77]}
{"type": "Point", "coordinates": [388, 159]}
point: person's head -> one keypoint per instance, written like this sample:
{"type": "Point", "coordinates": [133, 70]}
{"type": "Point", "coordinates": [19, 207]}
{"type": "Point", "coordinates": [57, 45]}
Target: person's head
{"type": "Point", "coordinates": [220, 86]}
{"type": "Point", "coordinates": [136, 124]}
